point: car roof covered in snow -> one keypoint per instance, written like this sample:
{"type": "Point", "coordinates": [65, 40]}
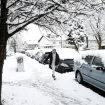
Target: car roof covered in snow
{"type": "Point", "coordinates": [100, 53]}
{"type": "Point", "coordinates": [67, 53]}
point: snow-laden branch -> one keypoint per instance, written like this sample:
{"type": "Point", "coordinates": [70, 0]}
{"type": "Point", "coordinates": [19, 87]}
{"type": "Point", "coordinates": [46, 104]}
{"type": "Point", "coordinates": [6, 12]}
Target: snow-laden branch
{"type": "Point", "coordinates": [30, 21]}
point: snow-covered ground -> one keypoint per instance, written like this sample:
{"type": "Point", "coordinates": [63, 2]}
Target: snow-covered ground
{"type": "Point", "coordinates": [35, 86]}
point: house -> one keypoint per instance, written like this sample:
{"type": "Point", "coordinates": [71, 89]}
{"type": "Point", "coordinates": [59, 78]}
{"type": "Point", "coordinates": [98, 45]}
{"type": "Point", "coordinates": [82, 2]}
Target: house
{"type": "Point", "coordinates": [52, 41]}
{"type": "Point", "coordinates": [31, 44]}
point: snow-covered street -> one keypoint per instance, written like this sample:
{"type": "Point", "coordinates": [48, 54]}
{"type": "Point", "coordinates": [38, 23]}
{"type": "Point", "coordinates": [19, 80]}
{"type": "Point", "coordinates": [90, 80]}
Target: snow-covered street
{"type": "Point", "coordinates": [35, 86]}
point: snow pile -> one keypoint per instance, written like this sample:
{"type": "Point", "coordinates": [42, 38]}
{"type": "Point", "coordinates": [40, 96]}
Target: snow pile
{"type": "Point", "coordinates": [10, 69]}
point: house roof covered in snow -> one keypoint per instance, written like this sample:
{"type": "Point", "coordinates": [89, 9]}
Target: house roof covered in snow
{"type": "Point", "coordinates": [32, 42]}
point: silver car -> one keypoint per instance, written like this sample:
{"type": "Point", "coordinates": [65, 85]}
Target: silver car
{"type": "Point", "coordinates": [91, 68]}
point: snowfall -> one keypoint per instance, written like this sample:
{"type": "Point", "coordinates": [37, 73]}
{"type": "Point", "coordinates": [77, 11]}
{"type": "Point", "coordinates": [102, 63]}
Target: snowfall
{"type": "Point", "coordinates": [35, 86]}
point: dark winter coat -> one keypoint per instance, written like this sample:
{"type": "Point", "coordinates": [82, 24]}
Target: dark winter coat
{"type": "Point", "coordinates": [50, 57]}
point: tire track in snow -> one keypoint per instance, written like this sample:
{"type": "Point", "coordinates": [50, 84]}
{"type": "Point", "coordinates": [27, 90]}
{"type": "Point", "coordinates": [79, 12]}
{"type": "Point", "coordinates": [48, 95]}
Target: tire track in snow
{"type": "Point", "coordinates": [58, 97]}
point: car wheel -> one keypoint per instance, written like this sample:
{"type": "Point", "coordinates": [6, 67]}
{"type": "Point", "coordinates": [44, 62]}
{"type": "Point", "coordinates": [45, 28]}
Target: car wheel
{"type": "Point", "coordinates": [79, 77]}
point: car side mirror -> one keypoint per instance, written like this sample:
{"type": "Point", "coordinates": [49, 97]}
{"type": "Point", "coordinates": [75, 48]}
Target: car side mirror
{"type": "Point", "coordinates": [103, 69]}
{"type": "Point", "coordinates": [100, 68]}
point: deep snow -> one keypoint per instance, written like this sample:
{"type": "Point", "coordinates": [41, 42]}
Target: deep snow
{"type": "Point", "coordinates": [35, 86]}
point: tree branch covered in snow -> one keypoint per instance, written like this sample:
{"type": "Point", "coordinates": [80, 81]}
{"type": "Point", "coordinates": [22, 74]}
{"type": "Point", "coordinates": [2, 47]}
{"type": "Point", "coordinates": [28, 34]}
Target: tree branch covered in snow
{"type": "Point", "coordinates": [23, 12]}
{"type": "Point", "coordinates": [47, 12]}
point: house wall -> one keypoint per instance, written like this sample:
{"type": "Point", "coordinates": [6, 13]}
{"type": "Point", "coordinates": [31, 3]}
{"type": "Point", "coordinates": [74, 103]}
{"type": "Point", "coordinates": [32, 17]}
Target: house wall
{"type": "Point", "coordinates": [52, 43]}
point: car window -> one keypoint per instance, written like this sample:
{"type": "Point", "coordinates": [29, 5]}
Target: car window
{"type": "Point", "coordinates": [97, 61]}
{"type": "Point", "coordinates": [88, 59]}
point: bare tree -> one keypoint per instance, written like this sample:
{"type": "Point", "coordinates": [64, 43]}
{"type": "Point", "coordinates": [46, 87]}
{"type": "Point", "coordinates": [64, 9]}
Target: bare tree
{"type": "Point", "coordinates": [97, 25]}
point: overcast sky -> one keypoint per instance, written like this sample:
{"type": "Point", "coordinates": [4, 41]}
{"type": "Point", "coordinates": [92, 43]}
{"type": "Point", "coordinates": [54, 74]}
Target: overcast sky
{"type": "Point", "coordinates": [34, 33]}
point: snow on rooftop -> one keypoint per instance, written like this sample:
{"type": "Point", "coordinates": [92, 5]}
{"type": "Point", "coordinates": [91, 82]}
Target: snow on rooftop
{"type": "Point", "coordinates": [32, 42]}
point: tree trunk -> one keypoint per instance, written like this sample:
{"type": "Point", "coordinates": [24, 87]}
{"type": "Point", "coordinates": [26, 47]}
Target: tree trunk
{"type": "Point", "coordinates": [100, 41]}
{"type": "Point", "coordinates": [99, 45]}
{"type": "Point", "coordinates": [76, 46]}
{"type": "Point", "coordinates": [3, 42]}
{"type": "Point", "coordinates": [2, 55]}
{"type": "Point", "coordinates": [87, 42]}
{"type": "Point", "coordinates": [3, 39]}
{"type": "Point", "coordinates": [15, 49]}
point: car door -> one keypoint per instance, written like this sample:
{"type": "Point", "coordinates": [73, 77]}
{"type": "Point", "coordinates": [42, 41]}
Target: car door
{"type": "Point", "coordinates": [85, 67]}
{"type": "Point", "coordinates": [97, 75]}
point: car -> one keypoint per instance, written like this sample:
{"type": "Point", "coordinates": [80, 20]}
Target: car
{"type": "Point", "coordinates": [44, 56]}
{"type": "Point", "coordinates": [23, 51]}
{"type": "Point", "coordinates": [29, 53]}
{"type": "Point", "coordinates": [38, 55]}
{"type": "Point", "coordinates": [90, 67]}
{"type": "Point", "coordinates": [65, 65]}
{"type": "Point", "coordinates": [66, 56]}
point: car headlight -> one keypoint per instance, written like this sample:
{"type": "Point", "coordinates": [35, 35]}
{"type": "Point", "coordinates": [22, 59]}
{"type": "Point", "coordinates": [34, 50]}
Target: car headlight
{"type": "Point", "coordinates": [63, 64]}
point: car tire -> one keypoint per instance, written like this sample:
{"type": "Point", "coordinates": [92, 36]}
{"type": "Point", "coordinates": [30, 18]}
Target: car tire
{"type": "Point", "coordinates": [79, 77]}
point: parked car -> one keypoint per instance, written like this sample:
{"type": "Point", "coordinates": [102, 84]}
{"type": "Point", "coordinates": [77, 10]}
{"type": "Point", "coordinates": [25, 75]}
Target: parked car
{"type": "Point", "coordinates": [44, 56]}
{"type": "Point", "coordinates": [65, 65]}
{"type": "Point", "coordinates": [38, 55]}
{"type": "Point", "coordinates": [29, 53]}
{"type": "Point", "coordinates": [91, 68]}
{"type": "Point", "coordinates": [23, 51]}
{"type": "Point", "coordinates": [67, 56]}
